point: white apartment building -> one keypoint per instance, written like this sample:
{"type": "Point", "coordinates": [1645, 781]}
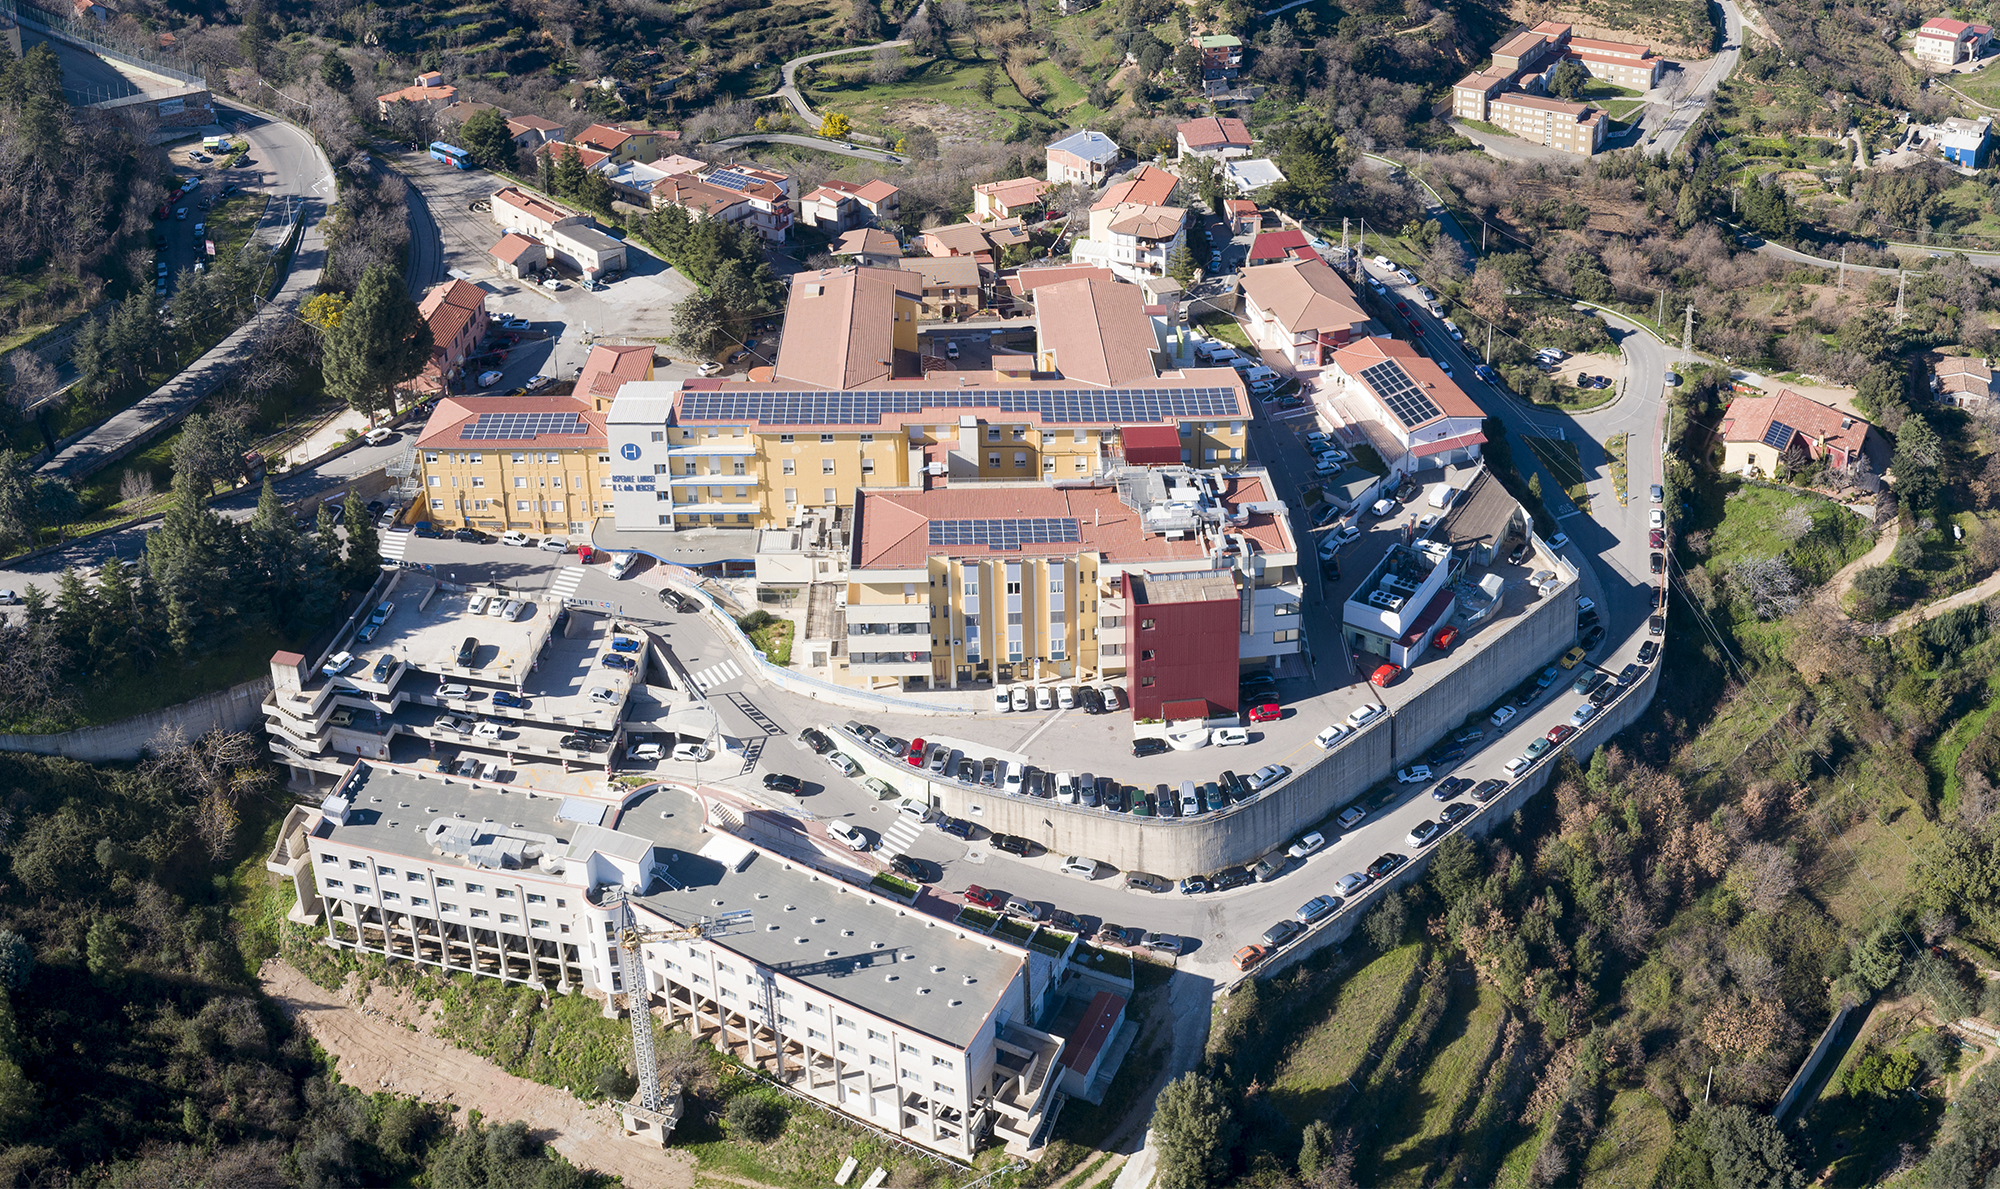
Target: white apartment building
{"type": "Point", "coordinates": [1133, 240]}
{"type": "Point", "coordinates": [914, 1025]}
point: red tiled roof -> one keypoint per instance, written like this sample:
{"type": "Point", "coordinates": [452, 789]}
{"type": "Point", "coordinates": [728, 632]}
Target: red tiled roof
{"type": "Point", "coordinates": [1449, 398]}
{"type": "Point", "coordinates": [419, 94]}
{"type": "Point", "coordinates": [1213, 132]}
{"type": "Point", "coordinates": [557, 150]}
{"type": "Point", "coordinates": [448, 310]}
{"type": "Point", "coordinates": [1748, 418]}
{"type": "Point", "coordinates": [603, 137]}
{"type": "Point", "coordinates": [1148, 187]}
{"type": "Point", "coordinates": [1092, 1032]}
{"type": "Point", "coordinates": [453, 413]}
{"type": "Point", "coordinates": [876, 192]}
{"type": "Point", "coordinates": [1028, 280]}
{"type": "Point", "coordinates": [1276, 245]}
{"type": "Point", "coordinates": [609, 365]}
{"type": "Point", "coordinates": [511, 247]}
{"type": "Point", "coordinates": [1460, 442]}
{"type": "Point", "coordinates": [1943, 27]}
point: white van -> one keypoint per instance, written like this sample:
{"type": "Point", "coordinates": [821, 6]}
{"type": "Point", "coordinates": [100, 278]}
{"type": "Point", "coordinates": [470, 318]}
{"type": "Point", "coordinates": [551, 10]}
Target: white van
{"type": "Point", "coordinates": [1441, 495]}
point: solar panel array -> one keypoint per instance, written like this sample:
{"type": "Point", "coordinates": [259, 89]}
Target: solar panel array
{"type": "Point", "coordinates": [1005, 534]}
{"type": "Point", "coordinates": [729, 179]}
{"type": "Point", "coordinates": [1123, 406]}
{"type": "Point", "coordinates": [1404, 398]}
{"type": "Point", "coordinates": [1779, 435]}
{"type": "Point", "coordinates": [521, 426]}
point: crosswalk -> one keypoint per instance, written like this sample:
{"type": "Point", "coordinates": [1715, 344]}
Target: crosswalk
{"type": "Point", "coordinates": [896, 839]}
{"type": "Point", "coordinates": [393, 545]}
{"type": "Point", "coordinates": [565, 581]}
{"type": "Point", "coordinates": [715, 675]}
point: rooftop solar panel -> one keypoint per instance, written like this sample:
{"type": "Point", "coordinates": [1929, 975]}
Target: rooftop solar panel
{"type": "Point", "coordinates": [520, 426]}
{"type": "Point", "coordinates": [1779, 435]}
{"type": "Point", "coordinates": [1411, 405]}
{"type": "Point", "coordinates": [729, 179]}
{"type": "Point", "coordinates": [1005, 534]}
{"type": "Point", "coordinates": [1054, 406]}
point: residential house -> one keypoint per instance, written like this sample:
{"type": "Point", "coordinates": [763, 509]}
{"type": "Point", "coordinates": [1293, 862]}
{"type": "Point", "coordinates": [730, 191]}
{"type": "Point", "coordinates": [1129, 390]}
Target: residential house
{"type": "Point", "coordinates": [1759, 432]}
{"type": "Point", "coordinates": [699, 199]}
{"type": "Point", "coordinates": [1024, 284]}
{"type": "Point", "coordinates": [1221, 61]}
{"type": "Point", "coordinates": [1096, 332]}
{"type": "Point", "coordinates": [592, 160]}
{"type": "Point", "coordinates": [838, 206]}
{"type": "Point", "coordinates": [1227, 45]}
{"type": "Point", "coordinates": [429, 94]}
{"type": "Point", "coordinates": [1214, 137]}
{"type": "Point", "coordinates": [985, 241]}
{"type": "Point", "coordinates": [954, 287]}
{"type": "Point", "coordinates": [870, 246]}
{"type": "Point", "coordinates": [1286, 243]}
{"type": "Point", "coordinates": [1302, 309]}
{"type": "Point", "coordinates": [624, 143]}
{"type": "Point", "coordinates": [1149, 186]}
{"type": "Point", "coordinates": [1243, 216]}
{"type": "Point", "coordinates": [531, 215]}
{"type": "Point", "coordinates": [1010, 199]}
{"type": "Point", "coordinates": [1539, 119]}
{"type": "Point", "coordinates": [1965, 142]}
{"type": "Point", "coordinates": [519, 257]}
{"type": "Point", "coordinates": [608, 368]}
{"type": "Point", "coordinates": [1965, 382]}
{"type": "Point", "coordinates": [768, 192]}
{"type": "Point", "coordinates": [1085, 157]}
{"type": "Point", "coordinates": [1944, 42]}
{"type": "Point", "coordinates": [453, 116]}
{"type": "Point", "coordinates": [532, 132]}
{"type": "Point", "coordinates": [456, 314]}
{"type": "Point", "coordinates": [1411, 412]}
{"type": "Point", "coordinates": [1132, 240]}
{"type": "Point", "coordinates": [634, 180]}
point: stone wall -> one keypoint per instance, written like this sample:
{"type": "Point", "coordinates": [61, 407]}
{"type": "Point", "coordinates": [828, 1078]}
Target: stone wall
{"type": "Point", "coordinates": [1485, 666]}
{"type": "Point", "coordinates": [235, 709]}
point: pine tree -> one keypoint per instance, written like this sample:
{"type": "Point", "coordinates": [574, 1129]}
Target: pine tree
{"type": "Point", "coordinates": [188, 561]}
{"type": "Point", "coordinates": [488, 139]}
{"type": "Point", "coordinates": [364, 552]}
{"type": "Point", "coordinates": [568, 173]}
{"type": "Point", "coordinates": [117, 600]}
{"type": "Point", "coordinates": [335, 72]}
{"type": "Point", "coordinates": [75, 611]}
{"type": "Point", "coordinates": [380, 343]}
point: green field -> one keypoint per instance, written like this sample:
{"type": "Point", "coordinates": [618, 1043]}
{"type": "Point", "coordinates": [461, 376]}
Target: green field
{"type": "Point", "coordinates": [845, 86]}
{"type": "Point", "coordinates": [1424, 1126]}
{"type": "Point", "coordinates": [1227, 329]}
{"type": "Point", "coordinates": [1636, 1134]}
{"type": "Point", "coordinates": [1758, 521]}
{"type": "Point", "coordinates": [1315, 1074]}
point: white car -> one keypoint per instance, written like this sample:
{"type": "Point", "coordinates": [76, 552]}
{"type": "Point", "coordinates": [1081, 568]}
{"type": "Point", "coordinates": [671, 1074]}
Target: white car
{"type": "Point", "coordinates": [644, 751]}
{"type": "Point", "coordinates": [1113, 700]}
{"type": "Point", "coordinates": [553, 285]}
{"type": "Point", "coordinates": [496, 605]}
{"type": "Point", "coordinates": [1414, 774]}
{"type": "Point", "coordinates": [1365, 714]}
{"type": "Point", "coordinates": [489, 379]}
{"type": "Point", "coordinates": [711, 368]}
{"type": "Point", "coordinates": [1066, 698]}
{"type": "Point", "coordinates": [1582, 714]}
{"type": "Point", "coordinates": [604, 695]}
{"type": "Point", "coordinates": [1383, 262]}
{"type": "Point", "coordinates": [692, 753]}
{"type": "Point", "coordinates": [1559, 542]}
{"type": "Point", "coordinates": [1266, 776]}
{"type": "Point", "coordinates": [1014, 777]}
{"type": "Point", "coordinates": [841, 764]}
{"type": "Point", "coordinates": [1382, 507]}
{"type": "Point", "coordinates": [487, 730]}
{"type": "Point", "coordinates": [847, 836]}
{"type": "Point", "coordinates": [1045, 698]}
{"type": "Point", "coordinates": [514, 323]}
{"type": "Point", "coordinates": [1078, 865]}
{"type": "Point", "coordinates": [1345, 535]}
{"type": "Point", "coordinates": [1657, 518]}
{"type": "Point", "coordinates": [337, 664]}
{"type": "Point", "coordinates": [1351, 816]}
{"type": "Point", "coordinates": [454, 689]}
{"type": "Point", "coordinates": [555, 545]}
{"type": "Point", "coordinates": [1517, 765]}
{"type": "Point", "coordinates": [1330, 736]}
{"type": "Point", "coordinates": [917, 811]}
{"type": "Point", "coordinates": [1501, 716]}
{"type": "Point", "coordinates": [621, 564]}
{"type": "Point", "coordinates": [1307, 845]}
{"type": "Point", "coordinates": [513, 610]}
{"type": "Point", "coordinates": [1018, 697]}
{"type": "Point", "coordinates": [537, 383]}
{"type": "Point", "coordinates": [378, 435]}
{"type": "Point", "coordinates": [1001, 702]}
{"type": "Point", "coordinates": [1230, 737]}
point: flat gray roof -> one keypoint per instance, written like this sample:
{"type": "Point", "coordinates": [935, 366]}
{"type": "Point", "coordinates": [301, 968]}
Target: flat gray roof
{"type": "Point", "coordinates": [393, 812]}
{"type": "Point", "coordinates": [895, 962]}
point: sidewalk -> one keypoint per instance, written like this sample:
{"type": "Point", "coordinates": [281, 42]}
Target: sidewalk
{"type": "Point", "coordinates": [327, 437]}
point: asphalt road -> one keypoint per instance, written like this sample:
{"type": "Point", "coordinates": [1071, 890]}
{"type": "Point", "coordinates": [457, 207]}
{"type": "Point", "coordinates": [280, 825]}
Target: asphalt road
{"type": "Point", "coordinates": [1695, 100]}
{"type": "Point", "coordinates": [837, 147]}
{"type": "Point", "coordinates": [284, 161]}
{"type": "Point", "coordinates": [789, 92]}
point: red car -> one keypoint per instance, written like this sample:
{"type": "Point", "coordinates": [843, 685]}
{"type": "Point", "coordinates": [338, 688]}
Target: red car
{"type": "Point", "coordinates": [1446, 638]}
{"type": "Point", "coordinates": [1268, 712]}
{"type": "Point", "coordinates": [916, 756]}
{"type": "Point", "coordinates": [1386, 674]}
{"type": "Point", "coordinates": [1657, 538]}
{"type": "Point", "coordinates": [1560, 732]}
{"type": "Point", "coordinates": [1250, 955]}
{"type": "Point", "coordinates": [976, 895]}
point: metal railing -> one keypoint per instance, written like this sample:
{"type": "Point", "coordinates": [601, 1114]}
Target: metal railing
{"type": "Point", "coordinates": [100, 39]}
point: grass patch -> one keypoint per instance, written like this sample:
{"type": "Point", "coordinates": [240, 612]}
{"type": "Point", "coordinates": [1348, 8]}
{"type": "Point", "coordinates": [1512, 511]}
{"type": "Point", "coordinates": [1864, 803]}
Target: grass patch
{"type": "Point", "coordinates": [1111, 963]}
{"type": "Point", "coordinates": [1225, 328]}
{"type": "Point", "coordinates": [1621, 110]}
{"type": "Point", "coordinates": [774, 640]}
{"type": "Point", "coordinates": [1346, 1023]}
{"type": "Point", "coordinates": [132, 692]}
{"type": "Point", "coordinates": [1560, 459]}
{"type": "Point", "coordinates": [1446, 1093]}
{"type": "Point", "coordinates": [1615, 447]}
{"type": "Point", "coordinates": [1815, 534]}
{"type": "Point", "coordinates": [1636, 1134]}
{"type": "Point", "coordinates": [846, 86]}
{"type": "Point", "coordinates": [895, 885]}
{"type": "Point", "coordinates": [1483, 126]}
{"type": "Point", "coordinates": [1598, 88]}
{"type": "Point", "coordinates": [1571, 399]}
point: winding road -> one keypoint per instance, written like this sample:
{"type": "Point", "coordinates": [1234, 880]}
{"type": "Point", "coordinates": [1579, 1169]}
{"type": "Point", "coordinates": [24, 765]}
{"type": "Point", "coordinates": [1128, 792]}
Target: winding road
{"type": "Point", "coordinates": [789, 92]}
{"type": "Point", "coordinates": [839, 147]}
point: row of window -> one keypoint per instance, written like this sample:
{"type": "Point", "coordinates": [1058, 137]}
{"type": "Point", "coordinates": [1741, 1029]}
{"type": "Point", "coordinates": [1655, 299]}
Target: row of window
{"type": "Point", "coordinates": [538, 457]}
{"type": "Point", "coordinates": [520, 481]}
{"type": "Point", "coordinates": [556, 506]}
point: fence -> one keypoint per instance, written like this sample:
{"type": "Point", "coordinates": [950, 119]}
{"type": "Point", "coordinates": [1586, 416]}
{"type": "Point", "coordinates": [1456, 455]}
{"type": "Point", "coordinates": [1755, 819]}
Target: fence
{"type": "Point", "coordinates": [1805, 1073]}
{"type": "Point", "coordinates": [93, 36]}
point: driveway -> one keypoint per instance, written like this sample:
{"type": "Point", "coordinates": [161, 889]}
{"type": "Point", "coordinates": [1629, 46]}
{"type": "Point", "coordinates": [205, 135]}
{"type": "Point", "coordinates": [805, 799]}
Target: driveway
{"type": "Point", "coordinates": [1682, 114]}
{"type": "Point", "coordinates": [838, 147]}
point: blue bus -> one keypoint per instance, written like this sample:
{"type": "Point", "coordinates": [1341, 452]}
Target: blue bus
{"type": "Point", "coordinates": [450, 155]}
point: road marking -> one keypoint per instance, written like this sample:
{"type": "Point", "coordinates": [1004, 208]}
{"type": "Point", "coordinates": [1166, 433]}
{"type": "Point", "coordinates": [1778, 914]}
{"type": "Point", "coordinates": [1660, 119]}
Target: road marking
{"type": "Point", "coordinates": [1036, 733]}
{"type": "Point", "coordinates": [896, 839]}
{"type": "Point", "coordinates": [716, 674]}
{"type": "Point", "coordinates": [566, 580]}
{"type": "Point", "coordinates": [394, 545]}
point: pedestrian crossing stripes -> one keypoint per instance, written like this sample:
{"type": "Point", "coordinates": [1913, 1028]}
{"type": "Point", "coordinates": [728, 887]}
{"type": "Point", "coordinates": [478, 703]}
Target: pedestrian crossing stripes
{"type": "Point", "coordinates": [565, 581]}
{"type": "Point", "coordinates": [393, 545]}
{"type": "Point", "coordinates": [896, 839]}
{"type": "Point", "coordinates": [715, 675]}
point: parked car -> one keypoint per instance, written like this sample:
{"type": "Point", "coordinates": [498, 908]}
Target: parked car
{"type": "Point", "coordinates": [1282, 932]}
{"type": "Point", "coordinates": [1079, 866]}
{"type": "Point", "coordinates": [1148, 746]}
{"type": "Point", "coordinates": [1385, 675]}
{"type": "Point", "coordinates": [814, 738]}
{"type": "Point", "coordinates": [1250, 957]}
{"type": "Point", "coordinates": [1351, 817]}
{"type": "Point", "coordinates": [1306, 845]}
{"type": "Point", "coordinates": [1422, 833]}
{"type": "Point", "coordinates": [1386, 865]}
{"type": "Point", "coordinates": [1012, 844]}
{"type": "Point", "coordinates": [980, 897]}
{"type": "Point", "coordinates": [1454, 813]}
{"type": "Point", "coordinates": [1501, 716]}
{"type": "Point", "coordinates": [1267, 712]}
{"type": "Point", "coordinates": [507, 697]}
{"type": "Point", "coordinates": [778, 782]}
{"type": "Point", "coordinates": [847, 836]}
{"type": "Point", "coordinates": [1230, 737]}
{"type": "Point", "coordinates": [1648, 651]}
{"type": "Point", "coordinates": [1486, 790]}
{"type": "Point", "coordinates": [1330, 736]}
{"type": "Point", "coordinates": [1414, 774]}
{"type": "Point", "coordinates": [1139, 881]}
{"type": "Point", "coordinates": [1364, 715]}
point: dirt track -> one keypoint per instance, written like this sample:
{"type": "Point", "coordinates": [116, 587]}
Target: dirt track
{"type": "Point", "coordinates": [376, 1048]}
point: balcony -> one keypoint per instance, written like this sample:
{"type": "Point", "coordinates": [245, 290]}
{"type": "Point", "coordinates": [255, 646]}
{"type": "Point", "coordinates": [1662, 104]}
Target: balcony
{"type": "Point", "coordinates": [915, 663]}
{"type": "Point", "coordinates": [915, 612]}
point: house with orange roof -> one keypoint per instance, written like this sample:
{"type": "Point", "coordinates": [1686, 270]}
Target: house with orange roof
{"type": "Point", "coordinates": [1214, 136]}
{"type": "Point", "coordinates": [1419, 416]}
{"type": "Point", "coordinates": [985, 241]}
{"type": "Point", "coordinates": [1132, 239]}
{"type": "Point", "coordinates": [456, 314]}
{"type": "Point", "coordinates": [532, 463]}
{"type": "Point", "coordinates": [429, 93]}
{"type": "Point", "coordinates": [1148, 186]}
{"type": "Point", "coordinates": [1761, 432]}
{"type": "Point", "coordinates": [519, 257]}
{"type": "Point", "coordinates": [836, 206]}
{"type": "Point", "coordinates": [609, 367]}
{"type": "Point", "coordinates": [1301, 309]}
{"type": "Point", "coordinates": [532, 132]}
{"type": "Point", "coordinates": [1013, 198]}
{"type": "Point", "coordinates": [1243, 216]}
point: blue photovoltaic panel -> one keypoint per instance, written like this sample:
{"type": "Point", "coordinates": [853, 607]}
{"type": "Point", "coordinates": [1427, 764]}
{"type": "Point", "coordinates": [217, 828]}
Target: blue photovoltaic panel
{"type": "Point", "coordinates": [1119, 406]}
{"type": "Point", "coordinates": [1005, 534]}
{"type": "Point", "coordinates": [729, 179]}
{"type": "Point", "coordinates": [520, 426]}
{"type": "Point", "coordinates": [1779, 435]}
{"type": "Point", "coordinates": [1400, 393]}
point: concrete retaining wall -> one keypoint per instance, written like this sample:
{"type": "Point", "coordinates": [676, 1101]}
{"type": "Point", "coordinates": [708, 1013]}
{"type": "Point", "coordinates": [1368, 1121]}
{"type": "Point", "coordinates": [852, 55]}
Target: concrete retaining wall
{"type": "Point", "coordinates": [1485, 666]}
{"type": "Point", "coordinates": [235, 709]}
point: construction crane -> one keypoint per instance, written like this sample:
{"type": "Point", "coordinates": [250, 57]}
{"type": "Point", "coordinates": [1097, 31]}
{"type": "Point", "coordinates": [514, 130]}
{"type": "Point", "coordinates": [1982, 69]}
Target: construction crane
{"type": "Point", "coordinates": [653, 1108]}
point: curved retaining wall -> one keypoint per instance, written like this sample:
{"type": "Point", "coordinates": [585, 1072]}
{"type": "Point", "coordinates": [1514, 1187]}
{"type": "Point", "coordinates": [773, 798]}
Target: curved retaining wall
{"type": "Point", "coordinates": [237, 708]}
{"type": "Point", "coordinates": [1485, 666]}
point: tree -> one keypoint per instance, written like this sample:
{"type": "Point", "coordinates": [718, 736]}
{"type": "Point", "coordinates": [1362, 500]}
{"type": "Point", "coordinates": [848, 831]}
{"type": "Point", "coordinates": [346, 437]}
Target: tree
{"type": "Point", "coordinates": [754, 1117]}
{"type": "Point", "coordinates": [834, 126]}
{"type": "Point", "coordinates": [886, 65]}
{"type": "Point", "coordinates": [488, 140]}
{"type": "Point", "coordinates": [1919, 450]}
{"type": "Point", "coordinates": [567, 174]}
{"type": "Point", "coordinates": [1385, 925]}
{"type": "Point", "coordinates": [1316, 161]}
{"type": "Point", "coordinates": [699, 322]}
{"type": "Point", "coordinates": [188, 560]}
{"type": "Point", "coordinates": [1747, 1150]}
{"type": "Point", "coordinates": [104, 949]}
{"type": "Point", "coordinates": [379, 344]}
{"type": "Point", "coordinates": [335, 72]}
{"type": "Point", "coordinates": [29, 501]}
{"type": "Point", "coordinates": [323, 310]}
{"type": "Point", "coordinates": [1567, 79]}
{"type": "Point", "coordinates": [17, 960]}
{"type": "Point", "coordinates": [1181, 266]}
{"type": "Point", "coordinates": [364, 553]}
{"type": "Point", "coordinates": [1194, 1127]}
{"type": "Point", "coordinates": [210, 447]}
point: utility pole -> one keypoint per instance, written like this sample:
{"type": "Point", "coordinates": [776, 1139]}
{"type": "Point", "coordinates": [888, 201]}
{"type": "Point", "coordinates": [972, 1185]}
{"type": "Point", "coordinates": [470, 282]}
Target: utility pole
{"type": "Point", "coordinates": [1900, 276]}
{"type": "Point", "coordinates": [1660, 318]}
{"type": "Point", "coordinates": [1843, 268]}
{"type": "Point", "coordinates": [1344, 221]}
{"type": "Point", "coordinates": [1687, 329]}
{"type": "Point", "coordinates": [1482, 237]}
{"type": "Point", "coordinates": [1361, 245]}
{"type": "Point", "coordinates": [1489, 344]}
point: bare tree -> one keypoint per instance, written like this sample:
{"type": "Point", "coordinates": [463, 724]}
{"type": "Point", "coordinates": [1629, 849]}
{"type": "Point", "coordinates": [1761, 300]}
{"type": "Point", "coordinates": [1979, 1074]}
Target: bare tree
{"type": "Point", "coordinates": [30, 380]}
{"type": "Point", "coordinates": [1764, 876]}
{"type": "Point", "coordinates": [1769, 585]}
{"type": "Point", "coordinates": [886, 65]}
{"type": "Point", "coordinates": [137, 484]}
